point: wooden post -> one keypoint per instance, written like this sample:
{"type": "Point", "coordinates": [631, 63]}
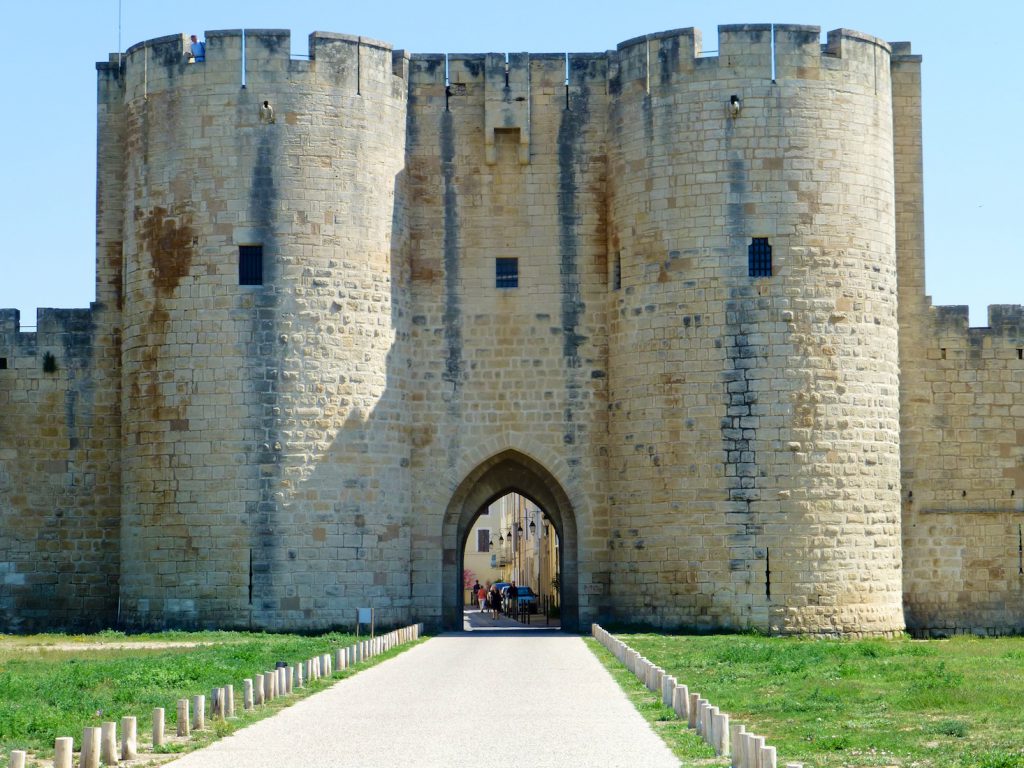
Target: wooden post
{"type": "Point", "coordinates": [63, 747]}
{"type": "Point", "coordinates": [18, 758]}
{"type": "Point", "coordinates": [199, 713]}
{"type": "Point", "coordinates": [229, 701]}
{"type": "Point", "coordinates": [681, 702]}
{"type": "Point", "coordinates": [129, 738]}
{"type": "Point", "coordinates": [247, 700]}
{"type": "Point", "coordinates": [183, 729]}
{"type": "Point", "coordinates": [90, 757]}
{"type": "Point", "coordinates": [767, 758]}
{"type": "Point", "coordinates": [668, 684]}
{"type": "Point", "coordinates": [737, 747]}
{"type": "Point", "coordinates": [108, 743]}
{"type": "Point", "coordinates": [158, 727]}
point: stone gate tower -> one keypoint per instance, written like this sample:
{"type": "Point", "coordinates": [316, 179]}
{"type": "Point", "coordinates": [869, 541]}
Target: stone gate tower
{"type": "Point", "coordinates": [346, 301]}
{"type": "Point", "coordinates": [754, 387]}
{"type": "Point", "coordinates": [263, 253]}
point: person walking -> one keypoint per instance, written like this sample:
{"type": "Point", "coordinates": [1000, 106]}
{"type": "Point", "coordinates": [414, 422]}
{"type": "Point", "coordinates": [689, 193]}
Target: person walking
{"type": "Point", "coordinates": [494, 601]}
{"type": "Point", "coordinates": [481, 597]}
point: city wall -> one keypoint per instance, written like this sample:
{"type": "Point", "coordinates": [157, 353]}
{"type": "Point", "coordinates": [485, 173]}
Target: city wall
{"type": "Point", "coordinates": [815, 451]}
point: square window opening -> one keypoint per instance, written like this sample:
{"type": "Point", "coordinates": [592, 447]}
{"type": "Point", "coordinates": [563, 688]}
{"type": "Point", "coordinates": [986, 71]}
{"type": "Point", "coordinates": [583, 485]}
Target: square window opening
{"type": "Point", "coordinates": [250, 265]}
{"type": "Point", "coordinates": [759, 257]}
{"type": "Point", "coordinates": [506, 273]}
{"type": "Point", "coordinates": [3, 363]}
{"type": "Point", "coordinates": [483, 540]}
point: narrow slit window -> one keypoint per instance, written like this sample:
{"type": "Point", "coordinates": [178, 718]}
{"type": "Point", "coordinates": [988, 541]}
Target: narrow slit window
{"type": "Point", "coordinates": [250, 265]}
{"type": "Point", "coordinates": [617, 272]}
{"type": "Point", "coordinates": [3, 363]}
{"type": "Point", "coordinates": [759, 257]}
{"type": "Point", "coordinates": [506, 273]}
{"type": "Point", "coordinates": [1020, 354]}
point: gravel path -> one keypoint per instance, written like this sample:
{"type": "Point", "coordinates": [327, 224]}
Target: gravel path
{"type": "Point", "coordinates": [485, 699]}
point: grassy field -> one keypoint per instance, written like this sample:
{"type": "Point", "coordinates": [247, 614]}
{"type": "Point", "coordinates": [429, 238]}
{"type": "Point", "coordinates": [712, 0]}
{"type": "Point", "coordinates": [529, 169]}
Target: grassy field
{"type": "Point", "coordinates": [957, 702]}
{"type": "Point", "coordinates": [55, 685]}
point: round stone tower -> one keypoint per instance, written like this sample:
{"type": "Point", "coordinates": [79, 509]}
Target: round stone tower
{"type": "Point", "coordinates": [263, 308]}
{"type": "Point", "coordinates": [754, 434]}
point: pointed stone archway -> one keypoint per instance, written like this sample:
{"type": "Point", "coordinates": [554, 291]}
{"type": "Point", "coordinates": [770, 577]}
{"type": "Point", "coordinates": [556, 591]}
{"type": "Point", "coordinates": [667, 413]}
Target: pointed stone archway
{"type": "Point", "coordinates": [508, 472]}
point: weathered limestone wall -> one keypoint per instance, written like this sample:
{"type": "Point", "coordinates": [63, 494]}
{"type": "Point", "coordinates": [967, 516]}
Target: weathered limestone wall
{"type": "Point", "coordinates": [714, 450]}
{"type": "Point", "coordinates": [508, 379]}
{"type": "Point", "coordinates": [754, 433]}
{"type": "Point", "coordinates": [59, 480]}
{"type": "Point", "coordinates": [963, 491]}
{"type": "Point", "coordinates": [264, 457]}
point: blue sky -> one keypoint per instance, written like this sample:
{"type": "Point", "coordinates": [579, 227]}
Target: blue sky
{"type": "Point", "coordinates": [973, 108]}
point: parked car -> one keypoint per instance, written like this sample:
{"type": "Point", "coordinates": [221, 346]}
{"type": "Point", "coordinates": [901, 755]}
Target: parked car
{"type": "Point", "coordinates": [527, 599]}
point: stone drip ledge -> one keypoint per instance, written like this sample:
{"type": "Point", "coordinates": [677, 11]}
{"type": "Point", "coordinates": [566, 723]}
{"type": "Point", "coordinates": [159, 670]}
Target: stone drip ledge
{"type": "Point", "coordinates": [101, 744]}
{"type": "Point", "coordinates": [746, 750]}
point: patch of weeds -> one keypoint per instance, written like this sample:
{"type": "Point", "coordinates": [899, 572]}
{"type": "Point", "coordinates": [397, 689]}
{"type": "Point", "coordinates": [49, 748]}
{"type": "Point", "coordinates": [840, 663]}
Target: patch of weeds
{"type": "Point", "coordinates": [1001, 760]}
{"type": "Point", "coordinates": [956, 728]}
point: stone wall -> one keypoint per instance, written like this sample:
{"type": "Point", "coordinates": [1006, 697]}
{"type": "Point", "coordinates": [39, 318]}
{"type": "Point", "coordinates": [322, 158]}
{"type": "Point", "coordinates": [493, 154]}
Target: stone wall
{"type": "Point", "coordinates": [714, 449]}
{"type": "Point", "coordinates": [59, 479]}
{"type": "Point", "coordinates": [963, 484]}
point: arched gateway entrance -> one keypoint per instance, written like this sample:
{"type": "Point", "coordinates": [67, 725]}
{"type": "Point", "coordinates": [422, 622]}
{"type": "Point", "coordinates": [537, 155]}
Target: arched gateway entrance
{"type": "Point", "coordinates": [508, 472]}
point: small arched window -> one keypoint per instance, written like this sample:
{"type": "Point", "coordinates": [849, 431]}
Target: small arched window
{"type": "Point", "coordinates": [759, 257]}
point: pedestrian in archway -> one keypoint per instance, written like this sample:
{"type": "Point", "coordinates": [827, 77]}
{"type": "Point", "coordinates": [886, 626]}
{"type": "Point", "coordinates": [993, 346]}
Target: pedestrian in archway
{"type": "Point", "coordinates": [494, 601]}
{"type": "Point", "coordinates": [481, 597]}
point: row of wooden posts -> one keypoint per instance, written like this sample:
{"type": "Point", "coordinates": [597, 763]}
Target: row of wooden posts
{"type": "Point", "coordinates": [100, 745]}
{"type": "Point", "coordinates": [746, 750]}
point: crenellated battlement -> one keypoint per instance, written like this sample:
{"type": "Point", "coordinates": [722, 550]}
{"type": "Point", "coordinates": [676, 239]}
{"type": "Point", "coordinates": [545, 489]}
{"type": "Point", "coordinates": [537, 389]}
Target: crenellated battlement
{"type": "Point", "coordinates": [1005, 323]}
{"type": "Point", "coordinates": [239, 58]}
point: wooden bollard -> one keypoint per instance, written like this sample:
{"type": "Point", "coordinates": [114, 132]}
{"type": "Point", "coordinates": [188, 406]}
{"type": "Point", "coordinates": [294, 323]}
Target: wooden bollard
{"type": "Point", "coordinates": [668, 684]}
{"type": "Point", "coordinates": [738, 741]}
{"type": "Point", "coordinates": [767, 758]}
{"type": "Point", "coordinates": [681, 702]}
{"type": "Point", "coordinates": [299, 681]}
{"type": "Point", "coordinates": [339, 659]}
{"type": "Point", "coordinates": [752, 749]}
{"type": "Point", "coordinates": [691, 713]}
{"type": "Point", "coordinates": [247, 699]}
{"type": "Point", "coordinates": [229, 700]}
{"type": "Point", "coordinates": [699, 706]}
{"type": "Point", "coordinates": [183, 724]}
{"type": "Point", "coordinates": [327, 665]}
{"type": "Point", "coordinates": [108, 743]}
{"type": "Point", "coordinates": [721, 743]}
{"type": "Point", "coordinates": [199, 712]}
{"type": "Point", "coordinates": [18, 758]}
{"type": "Point", "coordinates": [158, 727]}
{"type": "Point", "coordinates": [90, 756]}
{"type": "Point", "coordinates": [707, 719]}
{"type": "Point", "coordinates": [63, 748]}
{"type": "Point", "coordinates": [214, 703]}
{"type": "Point", "coordinates": [129, 738]}
{"type": "Point", "coordinates": [268, 687]}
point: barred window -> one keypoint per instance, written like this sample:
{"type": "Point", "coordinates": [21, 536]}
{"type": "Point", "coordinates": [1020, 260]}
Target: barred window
{"type": "Point", "coordinates": [483, 540]}
{"type": "Point", "coordinates": [506, 273]}
{"type": "Point", "coordinates": [759, 257]}
{"type": "Point", "coordinates": [617, 272]}
{"type": "Point", "coordinates": [250, 265]}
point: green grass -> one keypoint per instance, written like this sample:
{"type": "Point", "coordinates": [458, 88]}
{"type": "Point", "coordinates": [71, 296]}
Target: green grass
{"type": "Point", "coordinates": [48, 691]}
{"type": "Point", "coordinates": [957, 702]}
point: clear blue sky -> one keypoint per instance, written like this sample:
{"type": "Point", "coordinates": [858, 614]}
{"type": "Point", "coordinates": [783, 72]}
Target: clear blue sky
{"type": "Point", "coordinates": [973, 108]}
